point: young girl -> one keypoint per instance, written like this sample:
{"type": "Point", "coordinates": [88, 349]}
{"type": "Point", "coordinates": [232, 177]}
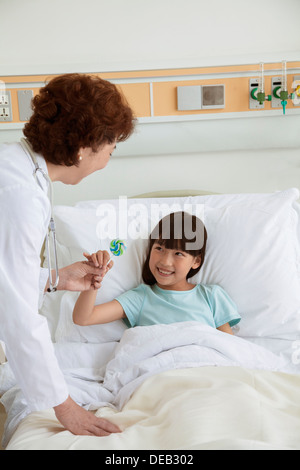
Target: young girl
{"type": "Point", "coordinates": [176, 253]}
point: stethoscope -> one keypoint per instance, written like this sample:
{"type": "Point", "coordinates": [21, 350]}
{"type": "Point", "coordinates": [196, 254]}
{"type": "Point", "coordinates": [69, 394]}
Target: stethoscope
{"type": "Point", "coordinates": [51, 229]}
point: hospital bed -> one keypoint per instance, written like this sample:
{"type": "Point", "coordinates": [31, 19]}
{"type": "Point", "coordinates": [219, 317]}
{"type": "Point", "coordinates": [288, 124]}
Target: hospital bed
{"type": "Point", "coordinates": [180, 386]}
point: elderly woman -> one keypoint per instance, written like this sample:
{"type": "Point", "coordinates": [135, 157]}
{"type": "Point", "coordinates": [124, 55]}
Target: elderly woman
{"type": "Point", "coordinates": [77, 121]}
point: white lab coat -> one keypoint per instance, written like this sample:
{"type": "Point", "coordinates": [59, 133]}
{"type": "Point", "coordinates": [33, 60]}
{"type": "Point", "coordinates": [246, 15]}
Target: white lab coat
{"type": "Point", "coordinates": [25, 214]}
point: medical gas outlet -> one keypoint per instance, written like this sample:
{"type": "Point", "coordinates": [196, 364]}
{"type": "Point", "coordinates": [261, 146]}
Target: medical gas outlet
{"type": "Point", "coordinates": [257, 91]}
{"type": "Point", "coordinates": [259, 96]}
{"type": "Point", "coordinates": [280, 94]}
{"type": "Point", "coordinates": [280, 90]}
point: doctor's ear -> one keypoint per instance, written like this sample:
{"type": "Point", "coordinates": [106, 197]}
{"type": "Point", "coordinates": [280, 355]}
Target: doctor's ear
{"type": "Point", "coordinates": [81, 153]}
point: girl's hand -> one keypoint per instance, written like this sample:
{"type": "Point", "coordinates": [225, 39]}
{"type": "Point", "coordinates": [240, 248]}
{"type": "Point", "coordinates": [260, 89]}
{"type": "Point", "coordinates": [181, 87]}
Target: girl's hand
{"type": "Point", "coordinates": [100, 260]}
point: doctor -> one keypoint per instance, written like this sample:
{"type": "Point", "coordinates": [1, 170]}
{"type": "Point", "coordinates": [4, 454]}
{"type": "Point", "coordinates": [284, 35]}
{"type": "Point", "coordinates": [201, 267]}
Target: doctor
{"type": "Point", "coordinates": [77, 121]}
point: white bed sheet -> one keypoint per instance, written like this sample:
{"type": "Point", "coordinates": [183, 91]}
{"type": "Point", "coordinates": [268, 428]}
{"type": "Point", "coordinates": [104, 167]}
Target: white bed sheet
{"type": "Point", "coordinates": [209, 408]}
{"type": "Point", "coordinates": [143, 353]}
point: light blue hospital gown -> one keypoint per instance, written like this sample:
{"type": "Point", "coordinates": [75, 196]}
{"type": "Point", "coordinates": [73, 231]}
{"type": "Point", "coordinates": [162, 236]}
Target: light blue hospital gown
{"type": "Point", "coordinates": [150, 305]}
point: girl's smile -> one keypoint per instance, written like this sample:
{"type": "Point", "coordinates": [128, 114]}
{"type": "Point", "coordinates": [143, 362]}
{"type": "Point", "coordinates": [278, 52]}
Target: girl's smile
{"type": "Point", "coordinates": [163, 272]}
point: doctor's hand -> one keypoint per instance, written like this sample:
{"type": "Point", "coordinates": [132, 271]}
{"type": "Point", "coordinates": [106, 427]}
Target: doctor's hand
{"type": "Point", "coordinates": [83, 275]}
{"type": "Point", "coordinates": [81, 422]}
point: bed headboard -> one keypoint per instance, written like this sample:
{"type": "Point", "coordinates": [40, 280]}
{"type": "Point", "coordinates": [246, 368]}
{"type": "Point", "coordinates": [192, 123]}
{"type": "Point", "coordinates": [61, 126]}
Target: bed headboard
{"type": "Point", "coordinates": [173, 193]}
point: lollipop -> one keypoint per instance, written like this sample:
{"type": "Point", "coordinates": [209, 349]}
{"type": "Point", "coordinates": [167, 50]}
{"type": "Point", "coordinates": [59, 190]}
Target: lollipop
{"type": "Point", "coordinates": [117, 247]}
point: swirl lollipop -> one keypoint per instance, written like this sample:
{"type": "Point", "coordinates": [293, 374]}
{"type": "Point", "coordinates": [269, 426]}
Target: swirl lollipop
{"type": "Point", "coordinates": [117, 247]}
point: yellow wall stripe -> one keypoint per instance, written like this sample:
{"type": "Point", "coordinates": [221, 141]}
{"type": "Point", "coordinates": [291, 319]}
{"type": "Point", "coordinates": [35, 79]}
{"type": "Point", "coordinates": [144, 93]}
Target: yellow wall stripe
{"type": "Point", "coordinates": [146, 85]}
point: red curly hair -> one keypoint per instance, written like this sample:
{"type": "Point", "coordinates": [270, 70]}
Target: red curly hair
{"type": "Point", "coordinates": [74, 111]}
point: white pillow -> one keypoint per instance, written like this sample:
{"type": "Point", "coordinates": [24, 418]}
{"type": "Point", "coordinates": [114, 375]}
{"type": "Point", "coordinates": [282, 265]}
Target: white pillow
{"type": "Point", "coordinates": [252, 252]}
{"type": "Point", "coordinates": [91, 227]}
{"type": "Point", "coordinates": [81, 230]}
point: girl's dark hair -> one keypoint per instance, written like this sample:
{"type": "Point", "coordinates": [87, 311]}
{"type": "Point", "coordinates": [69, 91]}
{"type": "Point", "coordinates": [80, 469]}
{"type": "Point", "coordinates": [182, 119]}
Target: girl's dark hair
{"type": "Point", "coordinates": [178, 231]}
{"type": "Point", "coordinates": [74, 111]}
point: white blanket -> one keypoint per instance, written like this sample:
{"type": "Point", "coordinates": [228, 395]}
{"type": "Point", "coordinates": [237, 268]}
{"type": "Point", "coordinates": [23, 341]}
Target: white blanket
{"type": "Point", "coordinates": [208, 408]}
{"type": "Point", "coordinates": [141, 353]}
{"type": "Point", "coordinates": [144, 351]}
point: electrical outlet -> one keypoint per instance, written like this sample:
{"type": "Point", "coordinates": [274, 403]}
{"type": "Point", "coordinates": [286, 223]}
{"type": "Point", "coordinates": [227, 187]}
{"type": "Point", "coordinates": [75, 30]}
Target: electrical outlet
{"type": "Point", "coordinates": [5, 106]}
{"type": "Point", "coordinates": [276, 86]}
{"type": "Point", "coordinates": [4, 100]}
{"type": "Point", "coordinates": [4, 113]}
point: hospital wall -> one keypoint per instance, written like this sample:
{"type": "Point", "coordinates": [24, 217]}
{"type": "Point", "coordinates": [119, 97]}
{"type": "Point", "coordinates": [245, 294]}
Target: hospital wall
{"type": "Point", "coordinates": [219, 151]}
